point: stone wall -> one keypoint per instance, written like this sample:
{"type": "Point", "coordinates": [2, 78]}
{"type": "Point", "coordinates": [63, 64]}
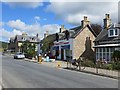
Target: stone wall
{"type": "Point", "coordinates": [83, 44]}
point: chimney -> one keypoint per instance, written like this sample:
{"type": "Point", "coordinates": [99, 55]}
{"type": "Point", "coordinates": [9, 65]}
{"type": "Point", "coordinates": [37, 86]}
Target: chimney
{"type": "Point", "coordinates": [37, 35]}
{"type": "Point", "coordinates": [107, 21]}
{"type": "Point", "coordinates": [62, 28]}
{"type": "Point", "coordinates": [46, 34]}
{"type": "Point", "coordinates": [85, 22]}
{"type": "Point", "coordinates": [24, 34]}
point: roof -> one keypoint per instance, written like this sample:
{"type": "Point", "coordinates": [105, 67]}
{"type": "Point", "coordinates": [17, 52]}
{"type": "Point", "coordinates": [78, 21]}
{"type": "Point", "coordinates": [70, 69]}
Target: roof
{"type": "Point", "coordinates": [12, 39]}
{"type": "Point", "coordinates": [50, 37]}
{"type": "Point", "coordinates": [78, 30]}
{"type": "Point", "coordinates": [25, 37]}
{"type": "Point", "coordinates": [103, 36]}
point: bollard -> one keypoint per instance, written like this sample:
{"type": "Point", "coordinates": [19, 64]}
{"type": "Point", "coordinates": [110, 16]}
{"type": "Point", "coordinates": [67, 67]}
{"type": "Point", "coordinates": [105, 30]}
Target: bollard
{"type": "Point", "coordinates": [58, 65]}
{"type": "Point", "coordinates": [40, 61]}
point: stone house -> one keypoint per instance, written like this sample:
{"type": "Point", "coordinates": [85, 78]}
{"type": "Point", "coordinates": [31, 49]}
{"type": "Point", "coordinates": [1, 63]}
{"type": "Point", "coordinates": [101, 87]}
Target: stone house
{"type": "Point", "coordinates": [79, 44]}
{"type": "Point", "coordinates": [16, 42]}
{"type": "Point", "coordinates": [108, 40]}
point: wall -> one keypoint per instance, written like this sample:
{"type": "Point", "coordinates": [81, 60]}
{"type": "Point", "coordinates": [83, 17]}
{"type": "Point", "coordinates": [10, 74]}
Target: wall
{"type": "Point", "coordinates": [79, 44]}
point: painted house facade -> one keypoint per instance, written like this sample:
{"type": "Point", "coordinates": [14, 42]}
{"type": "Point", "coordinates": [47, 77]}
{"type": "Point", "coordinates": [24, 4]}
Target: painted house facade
{"type": "Point", "coordinates": [108, 40]}
{"type": "Point", "coordinates": [79, 44]}
{"type": "Point", "coordinates": [16, 42]}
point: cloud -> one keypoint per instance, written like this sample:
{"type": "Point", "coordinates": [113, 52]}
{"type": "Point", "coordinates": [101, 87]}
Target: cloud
{"type": "Point", "coordinates": [73, 12]}
{"type": "Point", "coordinates": [1, 24]}
{"type": "Point", "coordinates": [37, 18]}
{"type": "Point", "coordinates": [84, 1]}
{"type": "Point", "coordinates": [24, 4]}
{"type": "Point", "coordinates": [22, 26]}
{"type": "Point", "coordinates": [75, 19]}
{"type": "Point", "coordinates": [51, 28]}
{"type": "Point", "coordinates": [19, 27]}
{"type": "Point", "coordinates": [5, 33]}
{"type": "Point", "coordinates": [8, 34]}
{"type": "Point", "coordinates": [17, 24]}
{"type": "Point", "coordinates": [22, 0]}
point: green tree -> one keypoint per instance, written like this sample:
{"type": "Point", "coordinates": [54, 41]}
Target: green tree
{"type": "Point", "coordinates": [29, 49]}
{"type": "Point", "coordinates": [116, 56]}
{"type": "Point", "coordinates": [47, 43]}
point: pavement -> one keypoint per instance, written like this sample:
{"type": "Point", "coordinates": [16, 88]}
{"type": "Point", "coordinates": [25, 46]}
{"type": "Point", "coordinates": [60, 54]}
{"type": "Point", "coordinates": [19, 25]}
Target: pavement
{"type": "Point", "coordinates": [63, 65]}
{"type": "Point", "coordinates": [23, 74]}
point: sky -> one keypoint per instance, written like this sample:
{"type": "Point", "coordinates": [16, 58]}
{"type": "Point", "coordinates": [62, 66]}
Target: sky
{"type": "Point", "coordinates": [39, 17]}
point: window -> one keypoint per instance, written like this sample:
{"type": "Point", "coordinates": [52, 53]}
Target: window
{"type": "Point", "coordinates": [116, 31]}
{"type": "Point", "coordinates": [113, 32]}
{"type": "Point", "coordinates": [23, 38]}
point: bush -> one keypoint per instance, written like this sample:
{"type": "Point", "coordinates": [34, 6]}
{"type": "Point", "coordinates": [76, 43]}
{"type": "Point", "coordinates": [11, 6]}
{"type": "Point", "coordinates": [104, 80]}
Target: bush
{"type": "Point", "coordinates": [88, 63]}
{"type": "Point", "coordinates": [107, 66]}
{"type": "Point", "coordinates": [116, 56]}
{"type": "Point", "coordinates": [116, 65]}
{"type": "Point", "coordinates": [111, 66]}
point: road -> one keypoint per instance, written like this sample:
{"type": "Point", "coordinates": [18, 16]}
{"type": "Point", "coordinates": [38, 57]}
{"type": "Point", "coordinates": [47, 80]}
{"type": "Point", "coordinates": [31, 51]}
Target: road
{"type": "Point", "coordinates": [24, 74]}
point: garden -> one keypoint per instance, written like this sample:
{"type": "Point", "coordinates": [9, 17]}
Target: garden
{"type": "Point", "coordinates": [114, 64]}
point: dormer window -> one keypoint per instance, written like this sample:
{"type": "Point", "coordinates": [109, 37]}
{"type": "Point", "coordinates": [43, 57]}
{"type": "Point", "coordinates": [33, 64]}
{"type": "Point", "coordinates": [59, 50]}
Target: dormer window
{"type": "Point", "coordinates": [23, 38]}
{"type": "Point", "coordinates": [116, 31]}
{"type": "Point", "coordinates": [113, 32]}
{"type": "Point", "coordinates": [33, 39]}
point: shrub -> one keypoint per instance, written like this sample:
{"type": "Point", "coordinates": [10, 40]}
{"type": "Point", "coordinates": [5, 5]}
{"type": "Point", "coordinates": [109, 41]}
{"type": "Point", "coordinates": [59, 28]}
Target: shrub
{"type": "Point", "coordinates": [116, 56]}
{"type": "Point", "coordinates": [88, 63]}
{"type": "Point", "coordinates": [116, 65]}
{"type": "Point", "coordinates": [107, 66]}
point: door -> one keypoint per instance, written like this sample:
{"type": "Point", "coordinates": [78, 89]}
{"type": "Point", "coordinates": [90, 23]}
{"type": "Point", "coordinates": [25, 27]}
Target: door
{"type": "Point", "coordinates": [62, 54]}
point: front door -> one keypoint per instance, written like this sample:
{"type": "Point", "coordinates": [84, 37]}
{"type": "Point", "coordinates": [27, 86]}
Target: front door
{"type": "Point", "coordinates": [62, 54]}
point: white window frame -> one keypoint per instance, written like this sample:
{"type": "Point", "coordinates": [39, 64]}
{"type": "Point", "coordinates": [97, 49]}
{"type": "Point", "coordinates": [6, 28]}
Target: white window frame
{"type": "Point", "coordinates": [113, 32]}
{"type": "Point", "coordinates": [107, 56]}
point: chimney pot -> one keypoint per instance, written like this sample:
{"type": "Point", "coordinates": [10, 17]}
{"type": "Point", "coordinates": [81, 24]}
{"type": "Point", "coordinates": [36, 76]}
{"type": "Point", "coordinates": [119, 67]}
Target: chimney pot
{"type": "Point", "coordinates": [85, 17]}
{"type": "Point", "coordinates": [107, 16]}
{"type": "Point", "coordinates": [85, 22]}
{"type": "Point", "coordinates": [107, 21]}
{"type": "Point", "coordinates": [62, 29]}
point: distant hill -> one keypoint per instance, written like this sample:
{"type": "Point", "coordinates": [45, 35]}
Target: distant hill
{"type": "Point", "coordinates": [3, 45]}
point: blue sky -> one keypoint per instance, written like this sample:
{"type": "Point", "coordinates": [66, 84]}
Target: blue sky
{"type": "Point", "coordinates": [39, 17]}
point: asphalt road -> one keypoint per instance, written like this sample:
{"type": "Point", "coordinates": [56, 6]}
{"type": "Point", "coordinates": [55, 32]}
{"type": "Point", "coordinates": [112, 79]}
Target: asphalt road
{"type": "Point", "coordinates": [24, 74]}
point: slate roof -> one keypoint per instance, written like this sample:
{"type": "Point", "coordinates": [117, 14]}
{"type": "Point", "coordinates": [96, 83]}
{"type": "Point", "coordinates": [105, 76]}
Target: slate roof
{"type": "Point", "coordinates": [12, 39]}
{"type": "Point", "coordinates": [77, 30]}
{"type": "Point", "coordinates": [22, 38]}
{"type": "Point", "coordinates": [103, 36]}
{"type": "Point", "coordinates": [51, 37]}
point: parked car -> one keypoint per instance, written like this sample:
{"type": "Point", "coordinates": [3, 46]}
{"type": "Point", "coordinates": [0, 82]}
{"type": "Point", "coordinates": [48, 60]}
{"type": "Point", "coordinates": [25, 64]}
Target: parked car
{"type": "Point", "coordinates": [19, 55]}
